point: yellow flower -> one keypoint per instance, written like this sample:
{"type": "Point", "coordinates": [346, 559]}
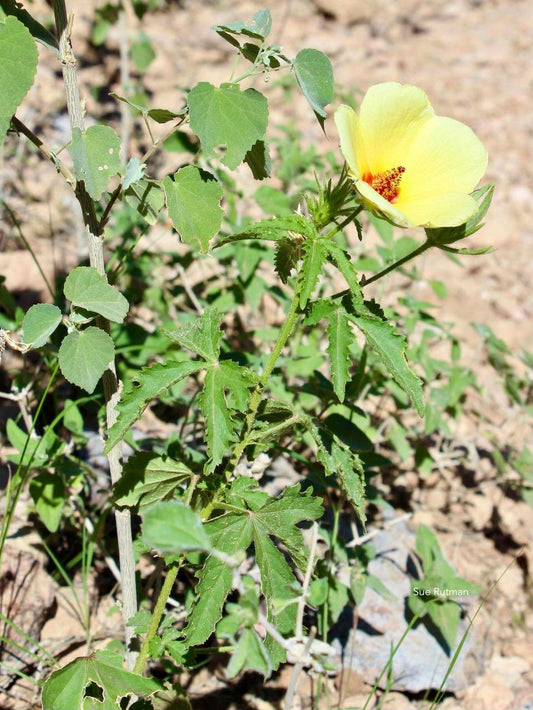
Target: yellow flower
{"type": "Point", "coordinates": [410, 166]}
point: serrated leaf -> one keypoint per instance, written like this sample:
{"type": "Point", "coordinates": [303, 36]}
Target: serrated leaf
{"type": "Point", "coordinates": [193, 201]}
{"type": "Point", "coordinates": [223, 380]}
{"type": "Point", "coordinates": [314, 255]}
{"type": "Point", "coordinates": [172, 528]}
{"type": "Point", "coordinates": [287, 254]}
{"type": "Point", "coordinates": [229, 117]}
{"type": "Point", "coordinates": [340, 338]}
{"type": "Point", "coordinates": [96, 157]}
{"type": "Point", "coordinates": [231, 534]}
{"type": "Point", "coordinates": [65, 688]}
{"type": "Point", "coordinates": [315, 77]}
{"type": "Point", "coordinates": [202, 336]}
{"type": "Point", "coordinates": [275, 229]}
{"type": "Point", "coordinates": [85, 355]}
{"type": "Point", "coordinates": [39, 323]}
{"type": "Point", "coordinates": [258, 28]}
{"type": "Point", "coordinates": [390, 345]}
{"type": "Point", "coordinates": [148, 478]}
{"type": "Point", "coordinates": [147, 198]}
{"type": "Point", "coordinates": [342, 261]}
{"type": "Point", "coordinates": [278, 585]}
{"type": "Point", "coordinates": [280, 517]}
{"type": "Point", "coordinates": [86, 288]}
{"type": "Point", "coordinates": [339, 460]}
{"type": "Point", "coordinates": [151, 382]}
{"type": "Point", "coordinates": [18, 63]}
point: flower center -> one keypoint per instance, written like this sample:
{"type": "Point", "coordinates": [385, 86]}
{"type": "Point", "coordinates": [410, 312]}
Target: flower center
{"type": "Point", "coordinates": [387, 184]}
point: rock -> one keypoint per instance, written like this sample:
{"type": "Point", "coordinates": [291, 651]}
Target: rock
{"type": "Point", "coordinates": [516, 520]}
{"type": "Point", "coordinates": [420, 662]}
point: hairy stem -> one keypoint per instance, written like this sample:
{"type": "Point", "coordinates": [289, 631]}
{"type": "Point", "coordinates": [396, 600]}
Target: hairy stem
{"type": "Point", "coordinates": [109, 379]}
{"type": "Point", "coordinates": [257, 395]}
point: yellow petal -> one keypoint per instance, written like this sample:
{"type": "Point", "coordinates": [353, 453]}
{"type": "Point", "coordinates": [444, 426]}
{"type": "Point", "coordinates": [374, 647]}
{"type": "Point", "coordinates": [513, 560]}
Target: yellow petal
{"type": "Point", "coordinates": [376, 203]}
{"type": "Point", "coordinates": [444, 156]}
{"type": "Point", "coordinates": [347, 123]}
{"type": "Point", "coordinates": [448, 209]}
{"type": "Point", "coordinates": [390, 117]}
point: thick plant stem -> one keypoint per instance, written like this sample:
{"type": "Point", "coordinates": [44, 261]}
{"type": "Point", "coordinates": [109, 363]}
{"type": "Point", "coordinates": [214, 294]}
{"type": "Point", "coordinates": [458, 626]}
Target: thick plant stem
{"type": "Point", "coordinates": [109, 379]}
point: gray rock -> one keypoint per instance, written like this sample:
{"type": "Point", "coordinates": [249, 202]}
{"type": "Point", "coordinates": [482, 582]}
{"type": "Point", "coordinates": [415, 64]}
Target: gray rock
{"type": "Point", "coordinates": [421, 662]}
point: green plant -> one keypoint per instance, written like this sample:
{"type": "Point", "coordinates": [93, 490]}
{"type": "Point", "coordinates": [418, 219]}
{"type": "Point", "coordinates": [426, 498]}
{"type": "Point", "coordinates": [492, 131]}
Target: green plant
{"type": "Point", "coordinates": [240, 395]}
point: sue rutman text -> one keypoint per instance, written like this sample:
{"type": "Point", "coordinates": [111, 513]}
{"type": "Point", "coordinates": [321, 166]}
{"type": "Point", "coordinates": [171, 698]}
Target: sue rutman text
{"type": "Point", "coordinates": [438, 592]}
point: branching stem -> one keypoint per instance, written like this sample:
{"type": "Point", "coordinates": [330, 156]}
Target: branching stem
{"type": "Point", "coordinates": [109, 379]}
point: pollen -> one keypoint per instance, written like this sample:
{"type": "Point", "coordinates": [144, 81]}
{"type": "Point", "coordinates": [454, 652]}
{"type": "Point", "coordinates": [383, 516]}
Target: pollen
{"type": "Point", "coordinates": [387, 184]}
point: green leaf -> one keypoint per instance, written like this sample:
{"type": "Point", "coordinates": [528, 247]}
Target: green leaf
{"type": "Point", "coordinates": [96, 157]}
{"type": "Point", "coordinates": [275, 229]}
{"type": "Point", "coordinates": [390, 346]}
{"type": "Point", "coordinates": [48, 493]}
{"type": "Point", "coordinates": [342, 261]}
{"type": "Point", "coordinates": [147, 198]}
{"type": "Point", "coordinates": [314, 255]}
{"type": "Point", "coordinates": [315, 76]}
{"type": "Point", "coordinates": [40, 33]}
{"type": "Point", "coordinates": [18, 63]}
{"type": "Point", "coordinates": [65, 688]}
{"type": "Point", "coordinates": [249, 654]}
{"type": "Point", "coordinates": [85, 355]}
{"type": "Point", "coordinates": [446, 617]}
{"type": "Point", "coordinates": [159, 115]}
{"type": "Point", "coordinates": [340, 338]}
{"type": "Point", "coordinates": [223, 380]}
{"type": "Point", "coordinates": [142, 52]}
{"type": "Point", "coordinates": [86, 288]}
{"type": "Point", "coordinates": [39, 323]}
{"type": "Point", "coordinates": [258, 28]}
{"type": "Point", "coordinates": [280, 516]}
{"type": "Point", "coordinates": [258, 160]}
{"type": "Point", "coordinates": [229, 117]}
{"type": "Point", "coordinates": [149, 384]}
{"type": "Point", "coordinates": [279, 585]}
{"type": "Point", "coordinates": [202, 336]}
{"type": "Point", "coordinates": [231, 534]}
{"type": "Point", "coordinates": [134, 173]}
{"type": "Point", "coordinates": [288, 252]}
{"type": "Point", "coordinates": [171, 527]}
{"type": "Point", "coordinates": [148, 478]}
{"type": "Point", "coordinates": [339, 460]}
{"type": "Point", "coordinates": [193, 201]}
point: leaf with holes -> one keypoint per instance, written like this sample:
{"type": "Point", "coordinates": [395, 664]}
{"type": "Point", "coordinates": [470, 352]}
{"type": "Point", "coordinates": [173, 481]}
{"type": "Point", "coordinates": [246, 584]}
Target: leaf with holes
{"type": "Point", "coordinates": [66, 688]}
{"type": "Point", "coordinates": [193, 201]}
{"type": "Point", "coordinates": [227, 117]}
{"type": "Point", "coordinates": [96, 157]}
